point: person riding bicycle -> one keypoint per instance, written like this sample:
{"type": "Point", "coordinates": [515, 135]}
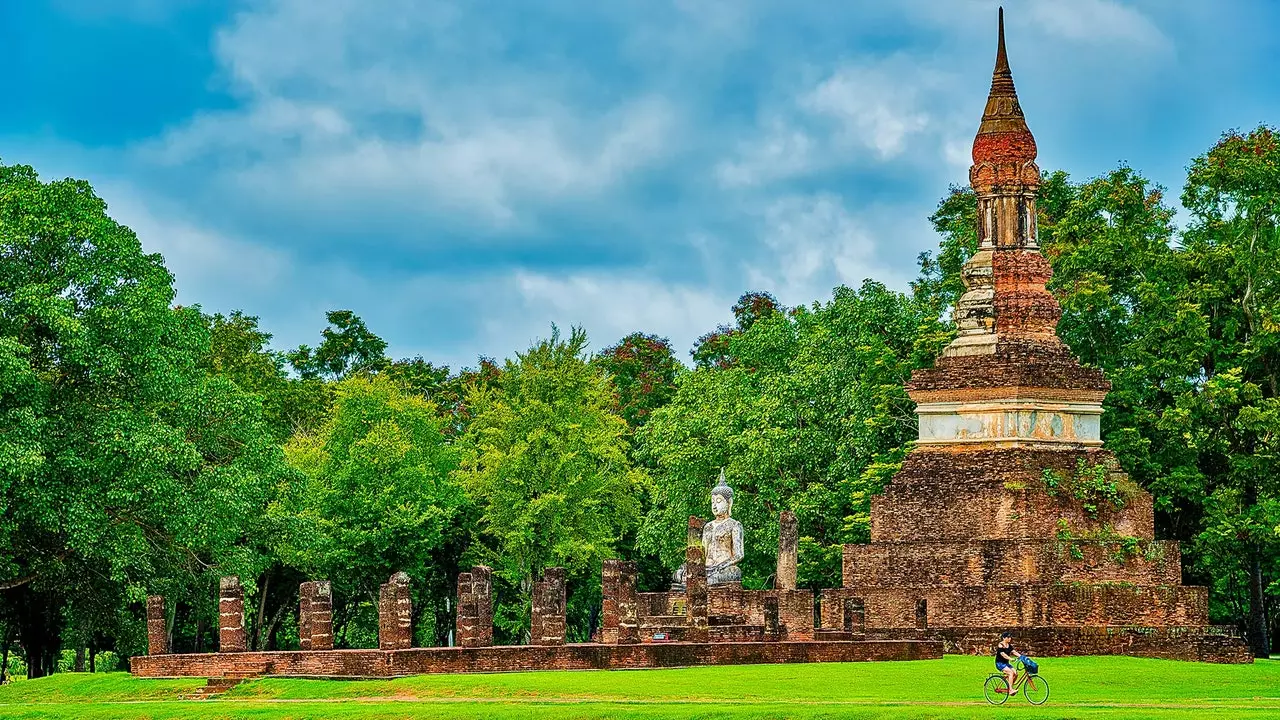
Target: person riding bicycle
{"type": "Point", "coordinates": [1005, 655]}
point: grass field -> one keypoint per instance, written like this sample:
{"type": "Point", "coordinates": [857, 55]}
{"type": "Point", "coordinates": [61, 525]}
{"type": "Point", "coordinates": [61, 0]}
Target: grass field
{"type": "Point", "coordinates": [1102, 687]}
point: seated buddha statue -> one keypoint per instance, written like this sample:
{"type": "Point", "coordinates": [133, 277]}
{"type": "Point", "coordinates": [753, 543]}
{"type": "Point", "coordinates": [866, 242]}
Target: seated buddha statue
{"type": "Point", "coordinates": [721, 541]}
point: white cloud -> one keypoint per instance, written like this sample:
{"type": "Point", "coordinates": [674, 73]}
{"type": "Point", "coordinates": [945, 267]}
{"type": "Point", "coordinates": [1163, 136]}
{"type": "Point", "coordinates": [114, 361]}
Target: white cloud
{"type": "Point", "coordinates": [391, 108]}
{"type": "Point", "coordinates": [1099, 22]}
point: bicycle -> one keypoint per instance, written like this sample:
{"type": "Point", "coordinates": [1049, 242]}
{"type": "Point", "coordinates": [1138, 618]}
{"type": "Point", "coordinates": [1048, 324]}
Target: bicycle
{"type": "Point", "coordinates": [1034, 688]}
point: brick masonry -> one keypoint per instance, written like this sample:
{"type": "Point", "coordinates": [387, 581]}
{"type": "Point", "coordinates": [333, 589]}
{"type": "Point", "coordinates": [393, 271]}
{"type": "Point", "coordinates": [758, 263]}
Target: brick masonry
{"type": "Point", "coordinates": [231, 636]}
{"type": "Point", "coordinates": [475, 607]}
{"type": "Point", "coordinates": [382, 664]}
{"type": "Point", "coordinates": [157, 626]}
{"type": "Point", "coordinates": [395, 614]}
{"type": "Point", "coordinates": [547, 621]}
{"type": "Point", "coordinates": [321, 614]}
{"type": "Point", "coordinates": [695, 579]}
{"type": "Point", "coordinates": [619, 618]}
{"type": "Point", "coordinates": [788, 551]}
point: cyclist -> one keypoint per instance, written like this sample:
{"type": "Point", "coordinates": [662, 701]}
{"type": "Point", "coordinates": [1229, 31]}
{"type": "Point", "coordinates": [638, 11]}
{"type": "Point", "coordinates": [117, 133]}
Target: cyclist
{"type": "Point", "coordinates": [1005, 655]}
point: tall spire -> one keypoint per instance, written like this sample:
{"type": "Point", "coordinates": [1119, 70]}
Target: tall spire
{"type": "Point", "coordinates": [1003, 135]}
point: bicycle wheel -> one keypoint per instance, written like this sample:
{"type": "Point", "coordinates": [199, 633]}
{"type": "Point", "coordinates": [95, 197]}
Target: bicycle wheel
{"type": "Point", "coordinates": [996, 690]}
{"type": "Point", "coordinates": [1036, 689]}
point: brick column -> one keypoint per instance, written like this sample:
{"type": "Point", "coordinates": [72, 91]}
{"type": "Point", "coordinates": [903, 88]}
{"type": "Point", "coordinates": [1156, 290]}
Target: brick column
{"type": "Point", "coordinates": [547, 621]}
{"type": "Point", "coordinates": [475, 607]}
{"type": "Point", "coordinates": [788, 551]}
{"type": "Point", "coordinates": [395, 614]}
{"type": "Point", "coordinates": [157, 626]}
{"type": "Point", "coordinates": [322, 615]}
{"type": "Point", "coordinates": [620, 621]}
{"type": "Point", "coordinates": [855, 615]}
{"type": "Point", "coordinates": [305, 591]}
{"type": "Point", "coordinates": [231, 636]}
{"type": "Point", "coordinates": [695, 585]}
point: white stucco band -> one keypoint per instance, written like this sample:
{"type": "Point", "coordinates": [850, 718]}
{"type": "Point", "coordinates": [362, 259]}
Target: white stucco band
{"type": "Point", "coordinates": [1012, 420]}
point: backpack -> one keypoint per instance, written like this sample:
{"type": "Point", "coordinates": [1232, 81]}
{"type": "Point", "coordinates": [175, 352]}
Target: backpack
{"type": "Point", "coordinates": [1031, 666]}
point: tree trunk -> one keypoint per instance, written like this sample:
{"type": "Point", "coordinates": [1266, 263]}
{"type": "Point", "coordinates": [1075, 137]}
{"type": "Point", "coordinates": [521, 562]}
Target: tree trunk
{"type": "Point", "coordinates": [1256, 630]}
{"type": "Point", "coordinates": [93, 659]}
{"type": "Point", "coordinates": [4, 657]}
{"type": "Point", "coordinates": [79, 666]}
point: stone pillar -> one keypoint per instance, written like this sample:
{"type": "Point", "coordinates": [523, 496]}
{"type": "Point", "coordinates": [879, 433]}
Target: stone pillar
{"type": "Point", "coordinates": [788, 551]}
{"type": "Point", "coordinates": [157, 626]}
{"type": "Point", "coordinates": [395, 614]}
{"type": "Point", "coordinates": [475, 607]}
{"type": "Point", "coordinates": [772, 621]}
{"type": "Point", "coordinates": [305, 591]}
{"type": "Point", "coordinates": [620, 620]}
{"type": "Point", "coordinates": [231, 637]}
{"type": "Point", "coordinates": [315, 615]}
{"type": "Point", "coordinates": [855, 616]}
{"type": "Point", "coordinates": [547, 621]}
{"type": "Point", "coordinates": [695, 585]}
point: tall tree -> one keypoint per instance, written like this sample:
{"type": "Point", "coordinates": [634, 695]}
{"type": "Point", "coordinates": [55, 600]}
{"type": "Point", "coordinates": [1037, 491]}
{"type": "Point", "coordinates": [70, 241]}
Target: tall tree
{"type": "Point", "coordinates": [348, 347]}
{"type": "Point", "coordinates": [546, 459]}
{"type": "Point", "coordinates": [122, 461]}
{"type": "Point", "coordinates": [810, 416]}
{"type": "Point", "coordinates": [379, 497]}
{"type": "Point", "coordinates": [1233, 251]}
{"type": "Point", "coordinates": [643, 370]}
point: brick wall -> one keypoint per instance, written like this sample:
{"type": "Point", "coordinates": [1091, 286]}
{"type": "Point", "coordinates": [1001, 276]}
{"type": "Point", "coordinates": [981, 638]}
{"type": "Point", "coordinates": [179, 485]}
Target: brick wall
{"type": "Point", "coordinates": [395, 614]}
{"type": "Point", "coordinates": [377, 663]}
{"type": "Point", "coordinates": [995, 493]}
{"type": "Point", "coordinates": [157, 626]}
{"type": "Point", "coordinates": [1196, 643]}
{"type": "Point", "coordinates": [1020, 606]}
{"type": "Point", "coordinates": [474, 617]}
{"type": "Point", "coordinates": [996, 562]}
{"type": "Point", "coordinates": [547, 622]}
{"type": "Point", "coordinates": [619, 614]}
{"type": "Point", "coordinates": [231, 637]}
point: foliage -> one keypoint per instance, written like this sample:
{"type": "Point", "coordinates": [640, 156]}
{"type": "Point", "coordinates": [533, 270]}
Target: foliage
{"type": "Point", "coordinates": [546, 460]}
{"type": "Point", "coordinates": [125, 467]}
{"type": "Point", "coordinates": [643, 371]}
{"type": "Point", "coordinates": [810, 416]}
{"type": "Point", "coordinates": [379, 496]}
{"type": "Point", "coordinates": [348, 347]}
{"type": "Point", "coordinates": [1093, 484]}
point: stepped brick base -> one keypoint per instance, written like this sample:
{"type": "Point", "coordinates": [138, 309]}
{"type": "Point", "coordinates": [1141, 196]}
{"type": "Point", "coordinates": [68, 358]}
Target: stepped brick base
{"type": "Point", "coordinates": [418, 661]}
{"type": "Point", "coordinates": [1197, 644]}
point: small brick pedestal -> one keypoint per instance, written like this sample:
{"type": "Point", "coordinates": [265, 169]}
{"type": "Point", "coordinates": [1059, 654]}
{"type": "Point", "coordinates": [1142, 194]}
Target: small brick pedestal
{"type": "Point", "coordinates": [475, 607]}
{"type": "Point", "coordinates": [620, 622]}
{"type": "Point", "coordinates": [315, 615]}
{"type": "Point", "coordinates": [788, 551]}
{"type": "Point", "coordinates": [547, 621]}
{"type": "Point", "coordinates": [157, 626]}
{"type": "Point", "coordinates": [231, 637]}
{"type": "Point", "coordinates": [695, 583]}
{"type": "Point", "coordinates": [395, 614]}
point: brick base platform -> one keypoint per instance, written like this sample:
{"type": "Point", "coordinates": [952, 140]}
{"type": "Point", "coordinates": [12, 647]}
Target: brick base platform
{"type": "Point", "coordinates": [418, 661]}
{"type": "Point", "coordinates": [1196, 644]}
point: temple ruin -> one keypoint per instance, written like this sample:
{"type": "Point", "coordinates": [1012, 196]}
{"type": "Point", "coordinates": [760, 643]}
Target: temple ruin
{"type": "Point", "coordinates": [1009, 514]}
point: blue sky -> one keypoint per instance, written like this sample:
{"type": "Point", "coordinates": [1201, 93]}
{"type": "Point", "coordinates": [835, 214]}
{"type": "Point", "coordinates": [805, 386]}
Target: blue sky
{"type": "Point", "coordinates": [463, 174]}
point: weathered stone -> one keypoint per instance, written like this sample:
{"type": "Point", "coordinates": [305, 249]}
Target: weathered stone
{"type": "Point", "coordinates": [320, 615]}
{"type": "Point", "coordinates": [788, 551]}
{"type": "Point", "coordinates": [547, 621]}
{"type": "Point", "coordinates": [475, 607]}
{"type": "Point", "coordinates": [157, 626]}
{"type": "Point", "coordinates": [619, 621]}
{"type": "Point", "coordinates": [695, 577]}
{"type": "Point", "coordinates": [231, 636]}
{"type": "Point", "coordinates": [395, 614]}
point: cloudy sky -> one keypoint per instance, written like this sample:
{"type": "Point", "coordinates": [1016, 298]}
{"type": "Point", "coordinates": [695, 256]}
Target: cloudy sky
{"type": "Point", "coordinates": [464, 174]}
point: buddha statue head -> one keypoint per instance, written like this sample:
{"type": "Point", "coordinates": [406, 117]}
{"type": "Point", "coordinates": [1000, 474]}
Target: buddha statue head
{"type": "Point", "coordinates": [721, 498]}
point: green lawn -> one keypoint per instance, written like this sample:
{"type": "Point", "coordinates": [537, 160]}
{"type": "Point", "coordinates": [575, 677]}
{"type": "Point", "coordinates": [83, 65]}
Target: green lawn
{"type": "Point", "coordinates": [1110, 687]}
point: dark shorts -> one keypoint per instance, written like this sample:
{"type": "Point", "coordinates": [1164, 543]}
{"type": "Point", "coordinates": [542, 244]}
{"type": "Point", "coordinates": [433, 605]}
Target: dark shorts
{"type": "Point", "coordinates": [1002, 666]}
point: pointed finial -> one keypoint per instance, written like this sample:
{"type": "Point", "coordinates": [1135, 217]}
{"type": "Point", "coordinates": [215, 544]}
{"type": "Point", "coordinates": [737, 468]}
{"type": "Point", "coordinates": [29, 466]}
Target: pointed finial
{"type": "Point", "coordinates": [1003, 135]}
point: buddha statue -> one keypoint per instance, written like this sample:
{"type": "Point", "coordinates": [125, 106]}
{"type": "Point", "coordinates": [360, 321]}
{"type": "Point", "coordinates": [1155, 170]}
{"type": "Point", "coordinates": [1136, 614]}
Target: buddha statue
{"type": "Point", "coordinates": [721, 541]}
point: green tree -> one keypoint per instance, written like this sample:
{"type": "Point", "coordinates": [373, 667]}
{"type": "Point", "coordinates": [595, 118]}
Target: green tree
{"type": "Point", "coordinates": [546, 459]}
{"type": "Point", "coordinates": [123, 464]}
{"type": "Point", "coordinates": [1232, 250]}
{"type": "Point", "coordinates": [643, 371]}
{"type": "Point", "coordinates": [379, 498]}
{"type": "Point", "coordinates": [809, 416]}
{"type": "Point", "coordinates": [348, 347]}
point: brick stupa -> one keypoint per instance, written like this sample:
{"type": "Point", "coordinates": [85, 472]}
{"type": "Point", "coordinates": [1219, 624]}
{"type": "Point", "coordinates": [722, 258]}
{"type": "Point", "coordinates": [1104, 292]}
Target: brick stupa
{"type": "Point", "coordinates": [972, 536]}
